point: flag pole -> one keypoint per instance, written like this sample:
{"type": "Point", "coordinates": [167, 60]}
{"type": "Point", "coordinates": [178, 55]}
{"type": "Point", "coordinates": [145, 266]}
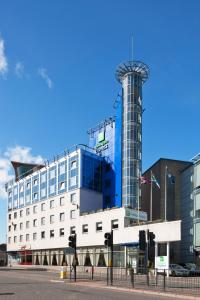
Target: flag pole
{"type": "Point", "coordinates": [151, 199]}
{"type": "Point", "coordinates": [165, 193]}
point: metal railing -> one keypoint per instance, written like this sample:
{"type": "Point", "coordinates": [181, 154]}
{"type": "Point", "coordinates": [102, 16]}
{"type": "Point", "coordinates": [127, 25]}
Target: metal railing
{"type": "Point", "coordinates": [140, 278]}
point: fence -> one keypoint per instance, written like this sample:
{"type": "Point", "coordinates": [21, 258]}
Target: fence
{"type": "Point", "coordinates": [146, 279]}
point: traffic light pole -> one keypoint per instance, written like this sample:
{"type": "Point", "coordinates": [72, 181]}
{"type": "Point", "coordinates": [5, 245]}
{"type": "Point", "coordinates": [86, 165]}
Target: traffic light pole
{"type": "Point", "coordinates": [111, 262]}
{"type": "Point", "coordinates": [75, 261]}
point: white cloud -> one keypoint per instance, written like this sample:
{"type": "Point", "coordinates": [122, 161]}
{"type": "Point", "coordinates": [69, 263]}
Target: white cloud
{"type": "Point", "coordinates": [3, 59]}
{"type": "Point", "coordinates": [19, 69]}
{"type": "Point", "coordinates": [43, 74]}
{"type": "Point", "coordinates": [17, 153]}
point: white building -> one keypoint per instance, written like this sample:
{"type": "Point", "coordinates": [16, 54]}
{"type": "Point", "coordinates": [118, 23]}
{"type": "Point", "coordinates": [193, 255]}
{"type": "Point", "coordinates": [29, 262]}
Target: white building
{"type": "Point", "coordinates": [49, 204]}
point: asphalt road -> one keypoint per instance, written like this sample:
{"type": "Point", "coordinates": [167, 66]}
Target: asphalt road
{"type": "Point", "coordinates": [31, 285]}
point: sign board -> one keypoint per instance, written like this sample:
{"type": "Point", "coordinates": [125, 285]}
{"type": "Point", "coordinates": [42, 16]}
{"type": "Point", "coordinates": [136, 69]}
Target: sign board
{"type": "Point", "coordinates": [161, 262]}
{"type": "Point", "coordinates": [134, 214]}
{"type": "Point", "coordinates": [101, 136]}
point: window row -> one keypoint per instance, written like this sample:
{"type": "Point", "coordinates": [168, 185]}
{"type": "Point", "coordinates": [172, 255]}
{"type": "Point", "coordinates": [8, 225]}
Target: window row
{"type": "Point", "coordinates": [52, 204]}
{"type": "Point", "coordinates": [99, 227]}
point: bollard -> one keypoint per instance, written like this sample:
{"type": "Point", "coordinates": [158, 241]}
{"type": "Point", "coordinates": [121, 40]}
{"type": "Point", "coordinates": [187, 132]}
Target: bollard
{"type": "Point", "coordinates": [63, 272]}
{"type": "Point", "coordinates": [132, 277]}
{"type": "Point", "coordinates": [92, 272]}
{"type": "Point", "coordinates": [164, 281]}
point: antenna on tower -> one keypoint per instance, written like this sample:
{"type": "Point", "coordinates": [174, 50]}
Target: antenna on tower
{"type": "Point", "coordinates": [132, 47]}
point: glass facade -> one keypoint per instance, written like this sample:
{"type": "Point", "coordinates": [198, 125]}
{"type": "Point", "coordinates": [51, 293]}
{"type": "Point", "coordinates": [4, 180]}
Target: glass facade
{"type": "Point", "coordinates": [79, 169]}
{"type": "Point", "coordinates": [92, 173]}
{"type": "Point", "coordinates": [131, 138]}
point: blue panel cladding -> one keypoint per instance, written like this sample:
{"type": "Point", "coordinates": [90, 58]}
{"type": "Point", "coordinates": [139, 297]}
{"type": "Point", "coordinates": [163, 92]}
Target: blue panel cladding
{"type": "Point", "coordinates": [62, 177]}
{"type": "Point", "coordinates": [103, 140]}
{"type": "Point", "coordinates": [118, 153]}
{"type": "Point", "coordinates": [52, 181]}
{"type": "Point", "coordinates": [35, 188]}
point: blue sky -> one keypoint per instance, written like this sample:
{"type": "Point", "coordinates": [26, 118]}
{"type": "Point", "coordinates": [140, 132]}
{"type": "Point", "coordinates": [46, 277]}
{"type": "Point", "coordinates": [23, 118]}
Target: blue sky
{"type": "Point", "coordinates": [57, 77]}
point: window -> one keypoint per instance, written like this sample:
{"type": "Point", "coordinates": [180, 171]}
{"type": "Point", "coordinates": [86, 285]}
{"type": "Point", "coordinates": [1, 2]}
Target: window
{"type": "Point", "coordinates": [9, 194]}
{"type": "Point", "coordinates": [42, 206]}
{"type": "Point", "coordinates": [43, 235]}
{"type": "Point", "coordinates": [52, 189]}
{"type": "Point", "coordinates": [27, 211]}
{"type": "Point", "coordinates": [62, 217]}
{"type": "Point", "coordinates": [62, 232]}
{"type": "Point", "coordinates": [51, 233]}
{"type": "Point", "coordinates": [35, 196]}
{"type": "Point", "coordinates": [9, 228]}
{"type": "Point", "coordinates": [43, 221]}
{"type": "Point", "coordinates": [21, 226]}
{"type": "Point", "coordinates": [15, 239]}
{"type": "Point", "coordinates": [15, 215]}
{"type": "Point", "coordinates": [35, 182]}
{"type": "Point", "coordinates": [21, 189]}
{"type": "Point", "coordinates": [85, 228]}
{"type": "Point", "coordinates": [34, 236]}
{"type": "Point", "coordinates": [28, 185]}
{"type": "Point", "coordinates": [9, 216]}
{"type": "Point", "coordinates": [198, 213]}
{"type": "Point", "coordinates": [43, 192]}
{"type": "Point", "coordinates": [43, 178]}
{"type": "Point", "coordinates": [62, 201]}
{"type": "Point", "coordinates": [62, 169]}
{"type": "Point", "coordinates": [35, 223]}
{"type": "Point", "coordinates": [15, 227]}
{"type": "Point", "coordinates": [34, 209]}
{"type": "Point", "coordinates": [52, 204]}
{"type": "Point", "coordinates": [52, 174]}
{"type": "Point", "coordinates": [73, 164]}
{"type": "Point", "coordinates": [21, 213]}
{"type": "Point", "coordinates": [114, 224]}
{"type": "Point", "coordinates": [9, 240]}
{"type": "Point", "coordinates": [27, 224]}
{"type": "Point", "coordinates": [21, 238]}
{"type": "Point", "coordinates": [72, 230]}
{"type": "Point", "coordinates": [72, 214]}
{"type": "Point", "coordinates": [52, 219]}
{"type": "Point", "coordinates": [61, 185]}
{"type": "Point", "coordinates": [73, 198]}
{"type": "Point", "coordinates": [99, 226]}
{"type": "Point", "coordinates": [27, 237]}
{"type": "Point", "coordinates": [72, 181]}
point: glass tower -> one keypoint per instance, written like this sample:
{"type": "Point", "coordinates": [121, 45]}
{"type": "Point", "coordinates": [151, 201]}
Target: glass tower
{"type": "Point", "coordinates": [131, 75]}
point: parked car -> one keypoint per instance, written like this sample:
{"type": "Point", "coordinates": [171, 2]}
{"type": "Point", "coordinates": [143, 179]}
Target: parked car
{"type": "Point", "coordinates": [193, 269]}
{"type": "Point", "coordinates": [177, 270]}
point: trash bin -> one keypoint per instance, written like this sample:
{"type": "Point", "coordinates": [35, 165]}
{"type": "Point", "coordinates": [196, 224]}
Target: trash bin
{"type": "Point", "coordinates": [63, 272]}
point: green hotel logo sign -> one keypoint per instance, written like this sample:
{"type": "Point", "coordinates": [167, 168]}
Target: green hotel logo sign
{"type": "Point", "coordinates": [101, 140]}
{"type": "Point", "coordinates": [101, 136]}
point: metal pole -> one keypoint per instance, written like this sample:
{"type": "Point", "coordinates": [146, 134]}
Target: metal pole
{"type": "Point", "coordinates": [75, 260]}
{"type": "Point", "coordinates": [151, 193]}
{"type": "Point", "coordinates": [111, 269]}
{"type": "Point", "coordinates": [165, 193]}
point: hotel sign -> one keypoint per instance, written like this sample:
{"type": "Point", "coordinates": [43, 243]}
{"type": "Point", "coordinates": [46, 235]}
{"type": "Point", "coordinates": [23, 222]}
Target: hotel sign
{"type": "Point", "coordinates": [135, 214]}
{"type": "Point", "coordinates": [101, 141]}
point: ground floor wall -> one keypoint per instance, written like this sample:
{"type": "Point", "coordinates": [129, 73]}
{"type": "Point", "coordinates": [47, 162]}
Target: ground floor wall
{"type": "Point", "coordinates": [94, 256]}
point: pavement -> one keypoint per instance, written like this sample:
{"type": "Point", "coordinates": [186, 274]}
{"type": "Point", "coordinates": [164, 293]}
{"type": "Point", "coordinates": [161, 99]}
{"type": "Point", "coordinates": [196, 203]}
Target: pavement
{"type": "Point", "coordinates": [31, 284]}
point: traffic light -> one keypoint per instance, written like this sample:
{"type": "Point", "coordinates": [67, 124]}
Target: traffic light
{"type": "Point", "coordinates": [142, 240]}
{"type": "Point", "coordinates": [151, 237]}
{"type": "Point", "coordinates": [108, 239]}
{"type": "Point", "coordinates": [72, 241]}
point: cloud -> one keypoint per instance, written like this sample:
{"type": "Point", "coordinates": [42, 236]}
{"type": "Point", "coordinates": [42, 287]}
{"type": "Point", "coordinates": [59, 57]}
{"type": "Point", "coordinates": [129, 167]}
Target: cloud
{"type": "Point", "coordinates": [19, 69]}
{"type": "Point", "coordinates": [43, 74]}
{"type": "Point", "coordinates": [17, 153]}
{"type": "Point", "coordinates": [3, 59]}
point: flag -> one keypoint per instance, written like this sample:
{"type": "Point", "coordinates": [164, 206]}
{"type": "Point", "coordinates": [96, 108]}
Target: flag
{"type": "Point", "coordinates": [153, 179]}
{"type": "Point", "coordinates": [144, 180]}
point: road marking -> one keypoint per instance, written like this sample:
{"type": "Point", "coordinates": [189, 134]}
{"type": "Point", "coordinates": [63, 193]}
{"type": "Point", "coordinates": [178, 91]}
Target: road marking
{"type": "Point", "coordinates": [61, 281]}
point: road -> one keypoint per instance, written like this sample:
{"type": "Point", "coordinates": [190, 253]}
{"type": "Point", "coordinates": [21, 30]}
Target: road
{"type": "Point", "coordinates": [31, 285]}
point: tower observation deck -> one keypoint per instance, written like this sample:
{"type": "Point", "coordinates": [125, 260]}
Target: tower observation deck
{"type": "Point", "coordinates": [132, 75]}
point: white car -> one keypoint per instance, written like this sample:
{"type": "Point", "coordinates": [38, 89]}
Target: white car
{"type": "Point", "coordinates": [177, 270]}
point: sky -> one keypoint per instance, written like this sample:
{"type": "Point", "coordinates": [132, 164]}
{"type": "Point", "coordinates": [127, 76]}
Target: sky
{"type": "Point", "coordinates": [57, 76]}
